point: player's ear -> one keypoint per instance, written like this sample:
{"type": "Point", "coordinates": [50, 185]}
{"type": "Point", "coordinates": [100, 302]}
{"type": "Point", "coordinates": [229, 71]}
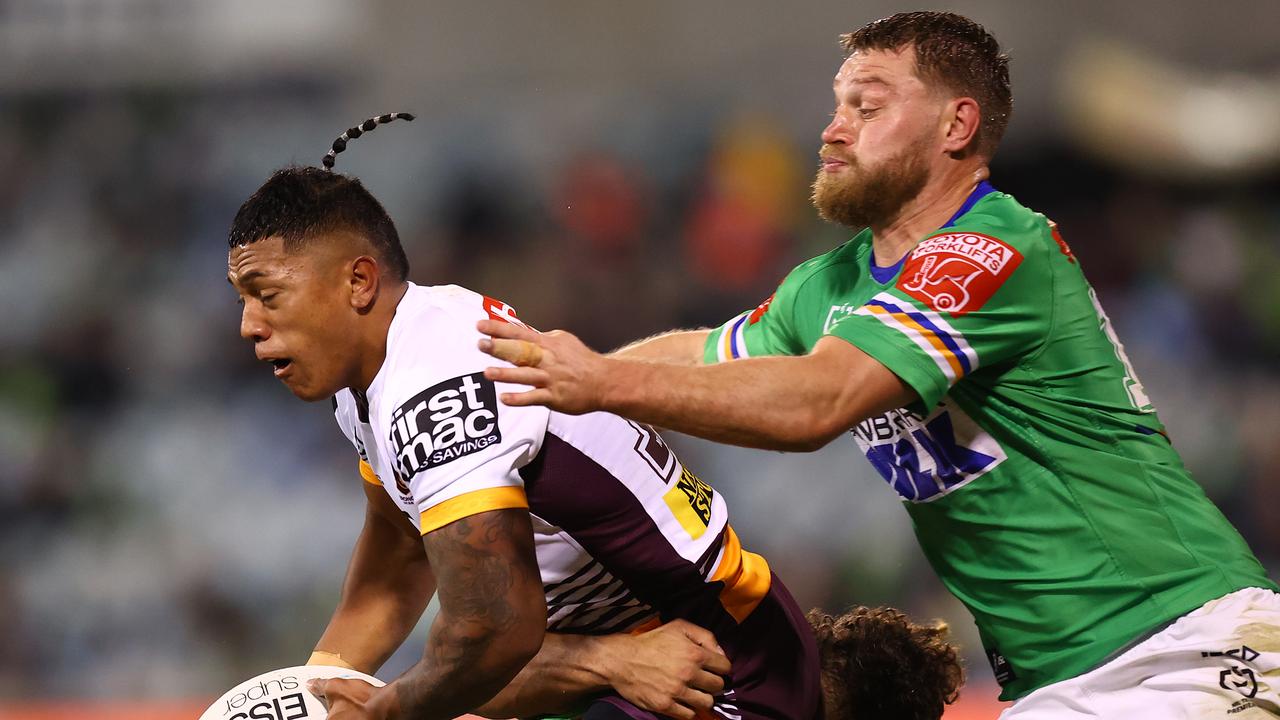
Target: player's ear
{"type": "Point", "coordinates": [960, 119]}
{"type": "Point", "coordinates": [364, 278]}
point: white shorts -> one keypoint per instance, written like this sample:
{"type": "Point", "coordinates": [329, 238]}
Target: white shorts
{"type": "Point", "coordinates": [1218, 662]}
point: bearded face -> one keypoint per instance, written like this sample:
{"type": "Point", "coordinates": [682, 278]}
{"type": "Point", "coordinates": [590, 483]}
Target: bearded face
{"type": "Point", "coordinates": [859, 195]}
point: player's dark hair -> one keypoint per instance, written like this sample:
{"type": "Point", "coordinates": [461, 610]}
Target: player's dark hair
{"type": "Point", "coordinates": [954, 53]}
{"type": "Point", "coordinates": [302, 203]}
{"type": "Point", "coordinates": [878, 665]}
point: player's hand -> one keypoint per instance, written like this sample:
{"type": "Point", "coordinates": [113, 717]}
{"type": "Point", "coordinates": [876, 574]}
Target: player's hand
{"type": "Point", "coordinates": [674, 670]}
{"type": "Point", "coordinates": [345, 699]}
{"type": "Point", "coordinates": [566, 375]}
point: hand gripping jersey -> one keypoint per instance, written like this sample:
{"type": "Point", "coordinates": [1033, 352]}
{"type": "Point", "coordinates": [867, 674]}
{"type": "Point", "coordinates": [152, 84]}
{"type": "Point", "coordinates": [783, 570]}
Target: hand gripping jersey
{"type": "Point", "coordinates": [625, 535]}
{"type": "Point", "coordinates": [1041, 484]}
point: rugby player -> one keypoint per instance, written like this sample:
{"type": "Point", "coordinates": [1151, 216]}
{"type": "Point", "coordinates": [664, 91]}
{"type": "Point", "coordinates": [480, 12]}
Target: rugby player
{"type": "Point", "coordinates": [553, 541]}
{"type": "Point", "coordinates": [958, 338]}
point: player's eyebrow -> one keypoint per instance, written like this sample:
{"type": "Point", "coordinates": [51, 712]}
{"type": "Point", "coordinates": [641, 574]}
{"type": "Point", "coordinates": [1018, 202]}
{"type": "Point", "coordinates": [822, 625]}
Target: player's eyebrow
{"type": "Point", "coordinates": [246, 278]}
{"type": "Point", "coordinates": [869, 80]}
{"type": "Point", "coordinates": [862, 81]}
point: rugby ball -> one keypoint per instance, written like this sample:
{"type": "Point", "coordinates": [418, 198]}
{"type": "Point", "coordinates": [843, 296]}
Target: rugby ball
{"type": "Point", "coordinates": [280, 695]}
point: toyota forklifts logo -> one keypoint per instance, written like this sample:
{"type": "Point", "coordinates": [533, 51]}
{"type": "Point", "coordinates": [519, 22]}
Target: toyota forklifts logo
{"type": "Point", "coordinates": [957, 273]}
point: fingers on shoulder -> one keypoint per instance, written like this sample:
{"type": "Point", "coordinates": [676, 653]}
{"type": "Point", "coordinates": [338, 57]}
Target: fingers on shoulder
{"type": "Point", "coordinates": [517, 375]}
{"type": "Point", "coordinates": [498, 329]}
{"type": "Point", "coordinates": [532, 397]}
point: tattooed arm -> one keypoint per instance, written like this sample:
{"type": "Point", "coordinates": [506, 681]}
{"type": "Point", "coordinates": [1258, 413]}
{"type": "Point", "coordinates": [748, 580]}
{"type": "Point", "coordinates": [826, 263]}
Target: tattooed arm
{"type": "Point", "coordinates": [492, 618]}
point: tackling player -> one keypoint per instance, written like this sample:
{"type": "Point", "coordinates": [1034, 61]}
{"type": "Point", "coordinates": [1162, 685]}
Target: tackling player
{"type": "Point", "coordinates": [532, 521]}
{"type": "Point", "coordinates": [958, 338]}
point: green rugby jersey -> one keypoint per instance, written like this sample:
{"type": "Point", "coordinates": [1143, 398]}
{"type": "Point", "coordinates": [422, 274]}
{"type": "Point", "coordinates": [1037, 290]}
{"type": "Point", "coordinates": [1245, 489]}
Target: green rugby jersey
{"type": "Point", "coordinates": [1041, 484]}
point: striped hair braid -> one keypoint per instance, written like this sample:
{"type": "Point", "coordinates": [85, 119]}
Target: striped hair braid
{"type": "Point", "coordinates": [352, 133]}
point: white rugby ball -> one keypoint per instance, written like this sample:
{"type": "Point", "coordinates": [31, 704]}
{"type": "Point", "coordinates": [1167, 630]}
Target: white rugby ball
{"type": "Point", "coordinates": [280, 695]}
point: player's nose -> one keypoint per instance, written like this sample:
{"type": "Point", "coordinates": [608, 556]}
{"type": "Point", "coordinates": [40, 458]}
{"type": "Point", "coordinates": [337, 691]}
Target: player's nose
{"type": "Point", "coordinates": [838, 131]}
{"type": "Point", "coordinates": [252, 327]}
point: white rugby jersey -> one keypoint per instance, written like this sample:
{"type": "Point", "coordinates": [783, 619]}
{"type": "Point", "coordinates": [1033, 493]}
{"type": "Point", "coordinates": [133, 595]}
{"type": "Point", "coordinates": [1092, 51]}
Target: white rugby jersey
{"type": "Point", "coordinates": [625, 535]}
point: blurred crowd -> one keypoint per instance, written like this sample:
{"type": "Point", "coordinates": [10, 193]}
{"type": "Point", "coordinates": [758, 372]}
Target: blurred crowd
{"type": "Point", "coordinates": [172, 520]}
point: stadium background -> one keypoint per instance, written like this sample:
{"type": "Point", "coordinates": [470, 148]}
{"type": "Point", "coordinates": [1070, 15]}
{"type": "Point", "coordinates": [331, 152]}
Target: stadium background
{"type": "Point", "coordinates": [172, 521]}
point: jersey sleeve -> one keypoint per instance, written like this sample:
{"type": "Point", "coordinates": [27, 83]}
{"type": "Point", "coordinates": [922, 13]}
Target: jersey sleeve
{"type": "Point", "coordinates": [455, 448]}
{"type": "Point", "coordinates": [367, 473]}
{"type": "Point", "coordinates": [766, 329]}
{"type": "Point", "coordinates": [964, 299]}
{"type": "Point", "coordinates": [345, 413]}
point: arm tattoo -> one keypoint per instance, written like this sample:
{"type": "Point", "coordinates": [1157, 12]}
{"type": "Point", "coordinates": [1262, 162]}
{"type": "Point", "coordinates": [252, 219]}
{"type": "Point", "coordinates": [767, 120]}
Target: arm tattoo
{"type": "Point", "coordinates": [482, 564]}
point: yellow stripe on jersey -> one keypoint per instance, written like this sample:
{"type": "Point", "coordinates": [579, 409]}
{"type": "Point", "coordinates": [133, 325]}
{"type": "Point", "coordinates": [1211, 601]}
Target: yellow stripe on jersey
{"type": "Point", "coordinates": [745, 575]}
{"type": "Point", "coordinates": [690, 501]}
{"type": "Point", "coordinates": [726, 342]}
{"type": "Point", "coordinates": [366, 472]}
{"type": "Point", "coordinates": [925, 334]}
{"type": "Point", "coordinates": [472, 503]}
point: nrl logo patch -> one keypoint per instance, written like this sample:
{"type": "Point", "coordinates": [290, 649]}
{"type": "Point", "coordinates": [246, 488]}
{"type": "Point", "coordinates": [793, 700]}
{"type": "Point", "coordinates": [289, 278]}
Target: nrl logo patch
{"type": "Point", "coordinates": [836, 314]}
{"type": "Point", "coordinates": [957, 273]}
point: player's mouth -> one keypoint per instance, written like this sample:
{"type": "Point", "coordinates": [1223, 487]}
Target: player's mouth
{"type": "Point", "coordinates": [831, 164]}
{"type": "Point", "coordinates": [281, 365]}
{"type": "Point", "coordinates": [828, 161]}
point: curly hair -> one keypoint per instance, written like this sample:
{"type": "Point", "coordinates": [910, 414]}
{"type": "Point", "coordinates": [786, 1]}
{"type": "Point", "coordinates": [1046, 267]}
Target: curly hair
{"type": "Point", "coordinates": [952, 52]}
{"type": "Point", "coordinates": [877, 665]}
{"type": "Point", "coordinates": [301, 203]}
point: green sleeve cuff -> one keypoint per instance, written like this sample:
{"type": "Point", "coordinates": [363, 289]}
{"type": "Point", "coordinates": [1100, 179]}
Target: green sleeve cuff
{"type": "Point", "coordinates": [709, 355]}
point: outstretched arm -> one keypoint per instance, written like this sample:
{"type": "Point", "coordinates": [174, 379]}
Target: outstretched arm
{"type": "Point", "coordinates": [388, 585]}
{"type": "Point", "coordinates": [674, 670]}
{"type": "Point", "coordinates": [491, 622]}
{"type": "Point", "coordinates": [678, 347]}
{"type": "Point", "coordinates": [776, 403]}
